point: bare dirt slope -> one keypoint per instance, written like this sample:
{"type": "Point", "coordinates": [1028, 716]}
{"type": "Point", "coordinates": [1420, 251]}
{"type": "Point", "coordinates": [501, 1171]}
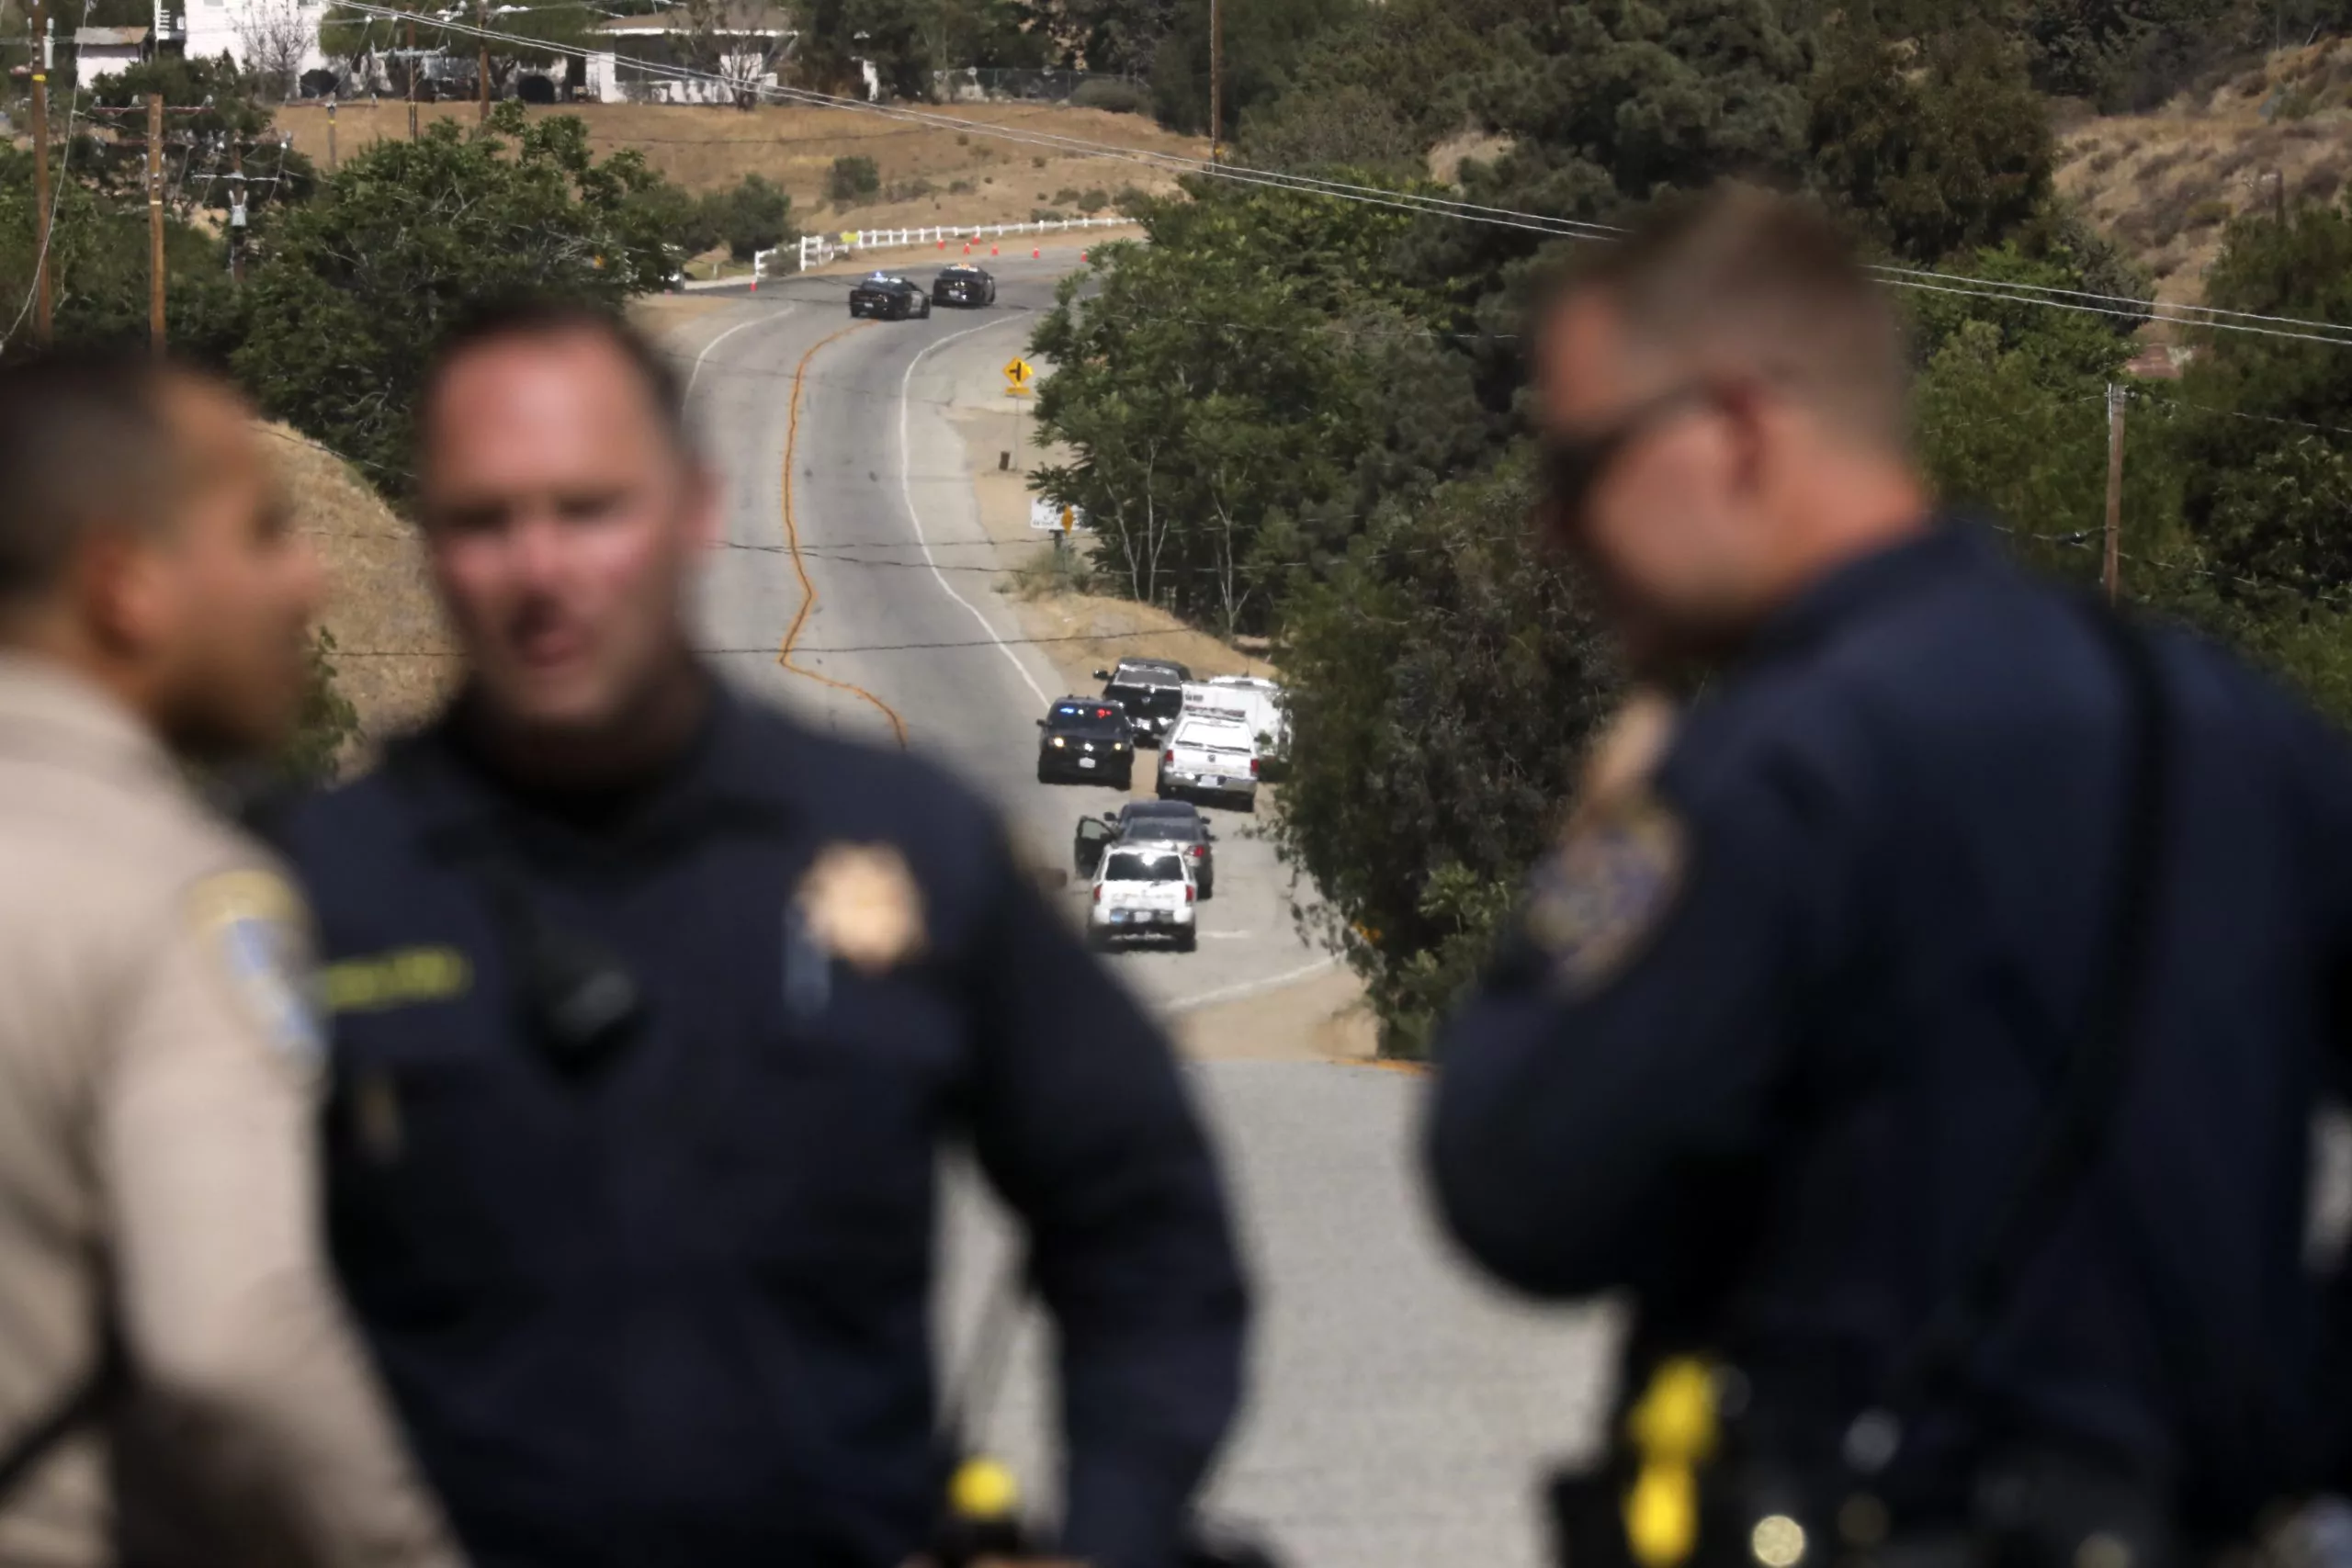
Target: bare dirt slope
{"type": "Point", "coordinates": [929, 173]}
{"type": "Point", "coordinates": [393, 655]}
{"type": "Point", "coordinates": [2167, 183]}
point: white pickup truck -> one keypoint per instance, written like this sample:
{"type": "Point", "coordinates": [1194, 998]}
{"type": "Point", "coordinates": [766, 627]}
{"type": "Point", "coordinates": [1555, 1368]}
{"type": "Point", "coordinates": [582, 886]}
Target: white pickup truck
{"type": "Point", "coordinates": [1143, 890]}
{"type": "Point", "coordinates": [1212, 755]}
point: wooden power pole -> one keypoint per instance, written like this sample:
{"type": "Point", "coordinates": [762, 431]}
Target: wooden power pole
{"type": "Point", "coordinates": [155, 222]}
{"type": "Point", "coordinates": [482, 21]}
{"type": "Point", "coordinates": [412, 78]}
{"type": "Point", "coordinates": [236, 210]}
{"type": "Point", "coordinates": [1217, 79]}
{"type": "Point", "coordinates": [42, 318]}
{"type": "Point", "coordinates": [331, 158]}
{"type": "Point", "coordinates": [2114, 574]}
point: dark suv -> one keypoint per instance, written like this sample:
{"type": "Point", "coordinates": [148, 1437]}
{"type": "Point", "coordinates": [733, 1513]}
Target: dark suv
{"type": "Point", "coordinates": [1086, 738]}
{"type": "Point", "coordinates": [962, 283]}
{"type": "Point", "coordinates": [1176, 822]}
{"type": "Point", "coordinates": [1151, 690]}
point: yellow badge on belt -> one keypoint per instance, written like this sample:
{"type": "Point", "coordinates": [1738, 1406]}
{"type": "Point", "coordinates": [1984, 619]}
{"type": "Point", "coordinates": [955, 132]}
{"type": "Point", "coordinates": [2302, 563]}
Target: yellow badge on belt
{"type": "Point", "coordinates": [1604, 892]}
{"type": "Point", "coordinates": [253, 929]}
{"type": "Point", "coordinates": [861, 904]}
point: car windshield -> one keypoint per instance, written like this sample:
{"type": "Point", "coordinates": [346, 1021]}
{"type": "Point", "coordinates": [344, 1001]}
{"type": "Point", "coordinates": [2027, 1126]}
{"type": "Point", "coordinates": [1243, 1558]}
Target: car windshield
{"type": "Point", "coordinates": [1143, 868]}
{"type": "Point", "coordinates": [1088, 718]}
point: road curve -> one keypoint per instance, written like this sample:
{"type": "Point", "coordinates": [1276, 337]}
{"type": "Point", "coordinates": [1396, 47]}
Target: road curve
{"type": "Point", "coordinates": [1400, 1412]}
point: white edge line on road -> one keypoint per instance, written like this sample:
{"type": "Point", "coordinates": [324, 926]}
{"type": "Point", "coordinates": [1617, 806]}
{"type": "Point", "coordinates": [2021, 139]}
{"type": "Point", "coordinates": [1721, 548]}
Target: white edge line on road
{"type": "Point", "coordinates": [696, 375]}
{"type": "Point", "coordinates": [1252, 988]}
{"type": "Point", "coordinates": [907, 491]}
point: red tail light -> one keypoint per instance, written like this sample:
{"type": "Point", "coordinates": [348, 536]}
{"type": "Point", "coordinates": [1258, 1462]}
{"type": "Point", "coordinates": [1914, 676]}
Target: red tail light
{"type": "Point", "coordinates": [1197, 850]}
{"type": "Point", "coordinates": [1188, 893]}
{"type": "Point", "coordinates": [1098, 893]}
{"type": "Point", "coordinates": [1253, 767]}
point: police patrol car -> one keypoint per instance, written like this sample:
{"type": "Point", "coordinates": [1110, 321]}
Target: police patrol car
{"type": "Point", "coordinates": [887, 297]}
{"type": "Point", "coordinates": [960, 283]}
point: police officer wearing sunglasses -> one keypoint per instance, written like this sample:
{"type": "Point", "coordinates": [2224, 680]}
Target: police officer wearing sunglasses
{"type": "Point", "coordinates": [653, 1012]}
{"type": "Point", "coordinates": [1923, 1021]}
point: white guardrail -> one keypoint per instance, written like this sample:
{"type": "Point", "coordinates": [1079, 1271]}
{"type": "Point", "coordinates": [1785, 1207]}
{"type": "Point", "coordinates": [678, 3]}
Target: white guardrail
{"type": "Point", "coordinates": [816, 249]}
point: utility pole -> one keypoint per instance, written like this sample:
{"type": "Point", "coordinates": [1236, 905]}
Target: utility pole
{"type": "Point", "coordinates": [1217, 79]}
{"type": "Point", "coordinates": [42, 320]}
{"type": "Point", "coordinates": [236, 210]}
{"type": "Point", "coordinates": [331, 158]}
{"type": "Point", "coordinates": [2114, 577]}
{"type": "Point", "coordinates": [155, 222]}
{"type": "Point", "coordinates": [412, 78]}
{"type": "Point", "coordinates": [482, 21]}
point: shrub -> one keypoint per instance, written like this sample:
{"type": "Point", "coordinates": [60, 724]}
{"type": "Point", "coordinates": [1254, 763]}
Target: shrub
{"type": "Point", "coordinates": [1118, 98]}
{"type": "Point", "coordinates": [851, 178]}
{"type": "Point", "coordinates": [2164, 163]}
{"type": "Point", "coordinates": [1130, 198]}
{"type": "Point", "coordinates": [2319, 185]}
{"type": "Point", "coordinates": [1045, 215]}
{"type": "Point", "coordinates": [1066, 196]}
{"type": "Point", "coordinates": [912, 190]}
{"type": "Point", "coordinates": [1037, 162]}
{"type": "Point", "coordinates": [2105, 161]}
{"type": "Point", "coordinates": [1093, 202]}
{"type": "Point", "coordinates": [754, 216]}
{"type": "Point", "coordinates": [960, 187]}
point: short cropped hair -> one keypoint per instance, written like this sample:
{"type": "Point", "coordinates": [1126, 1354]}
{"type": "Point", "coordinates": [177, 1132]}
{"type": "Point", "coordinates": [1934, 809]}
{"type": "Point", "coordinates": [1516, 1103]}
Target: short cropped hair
{"type": "Point", "coordinates": [87, 442]}
{"type": "Point", "coordinates": [510, 317]}
{"type": "Point", "coordinates": [1742, 277]}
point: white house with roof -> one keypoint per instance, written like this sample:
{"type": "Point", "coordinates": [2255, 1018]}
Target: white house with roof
{"type": "Point", "coordinates": [666, 59]}
{"type": "Point", "coordinates": [276, 34]}
{"type": "Point", "coordinates": [106, 51]}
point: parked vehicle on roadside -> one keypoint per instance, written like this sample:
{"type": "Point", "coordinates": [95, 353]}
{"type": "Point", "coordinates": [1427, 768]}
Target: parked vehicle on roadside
{"type": "Point", "coordinates": [1211, 756]}
{"type": "Point", "coordinates": [1152, 691]}
{"type": "Point", "coordinates": [1175, 823]}
{"type": "Point", "coordinates": [1086, 738]}
{"type": "Point", "coordinates": [1142, 891]}
{"type": "Point", "coordinates": [1261, 706]}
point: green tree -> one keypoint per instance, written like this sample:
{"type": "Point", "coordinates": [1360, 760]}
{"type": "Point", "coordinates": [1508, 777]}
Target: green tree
{"type": "Point", "coordinates": [1443, 682]}
{"type": "Point", "coordinates": [1263, 43]}
{"type": "Point", "coordinates": [754, 215]}
{"type": "Point", "coordinates": [1931, 148]}
{"type": "Point", "coordinates": [355, 285]}
{"type": "Point", "coordinates": [1214, 392]}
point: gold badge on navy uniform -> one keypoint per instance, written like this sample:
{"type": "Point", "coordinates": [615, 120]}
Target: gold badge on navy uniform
{"type": "Point", "coordinates": [860, 903]}
{"type": "Point", "coordinates": [1601, 895]}
{"type": "Point", "coordinates": [251, 928]}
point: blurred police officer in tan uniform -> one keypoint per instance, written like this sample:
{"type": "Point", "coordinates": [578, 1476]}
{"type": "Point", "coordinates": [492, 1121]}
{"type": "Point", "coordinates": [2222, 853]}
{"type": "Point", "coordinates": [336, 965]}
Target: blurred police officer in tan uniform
{"type": "Point", "coordinates": [177, 1383]}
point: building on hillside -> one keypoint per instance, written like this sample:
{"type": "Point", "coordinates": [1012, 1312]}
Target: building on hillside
{"type": "Point", "coordinates": [275, 37]}
{"type": "Point", "coordinates": [665, 59]}
{"type": "Point", "coordinates": [108, 51]}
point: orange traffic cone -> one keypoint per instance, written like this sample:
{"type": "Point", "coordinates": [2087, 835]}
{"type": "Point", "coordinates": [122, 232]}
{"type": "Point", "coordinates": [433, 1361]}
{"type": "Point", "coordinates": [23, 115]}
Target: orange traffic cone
{"type": "Point", "coordinates": [992, 249]}
{"type": "Point", "coordinates": [1033, 252]}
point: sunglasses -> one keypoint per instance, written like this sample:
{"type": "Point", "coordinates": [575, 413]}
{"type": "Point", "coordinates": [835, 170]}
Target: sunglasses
{"type": "Point", "coordinates": [1574, 465]}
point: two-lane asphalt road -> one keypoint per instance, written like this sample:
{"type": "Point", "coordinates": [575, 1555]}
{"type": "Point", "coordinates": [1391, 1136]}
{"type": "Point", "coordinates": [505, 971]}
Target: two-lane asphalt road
{"type": "Point", "coordinates": [1401, 1411]}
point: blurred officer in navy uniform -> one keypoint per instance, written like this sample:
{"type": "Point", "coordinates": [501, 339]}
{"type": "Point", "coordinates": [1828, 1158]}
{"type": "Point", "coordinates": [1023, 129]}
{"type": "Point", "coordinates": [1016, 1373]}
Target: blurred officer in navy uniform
{"type": "Point", "coordinates": [1922, 1020]}
{"type": "Point", "coordinates": [653, 1012]}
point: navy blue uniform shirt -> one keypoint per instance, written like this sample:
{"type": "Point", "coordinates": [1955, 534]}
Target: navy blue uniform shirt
{"type": "Point", "coordinates": [676, 1312]}
{"type": "Point", "coordinates": [1783, 1102]}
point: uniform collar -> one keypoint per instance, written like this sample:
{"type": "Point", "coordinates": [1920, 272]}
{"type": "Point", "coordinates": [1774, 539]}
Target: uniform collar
{"type": "Point", "coordinates": [1951, 544]}
{"type": "Point", "coordinates": [734, 773]}
{"type": "Point", "coordinates": [49, 711]}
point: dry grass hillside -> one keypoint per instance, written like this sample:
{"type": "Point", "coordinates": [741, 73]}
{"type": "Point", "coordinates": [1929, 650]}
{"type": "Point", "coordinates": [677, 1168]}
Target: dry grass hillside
{"type": "Point", "coordinates": [930, 174]}
{"type": "Point", "coordinates": [391, 660]}
{"type": "Point", "coordinates": [2167, 183]}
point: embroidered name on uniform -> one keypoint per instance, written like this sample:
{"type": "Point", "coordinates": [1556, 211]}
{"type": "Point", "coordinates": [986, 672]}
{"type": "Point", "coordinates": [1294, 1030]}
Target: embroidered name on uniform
{"type": "Point", "coordinates": [402, 977]}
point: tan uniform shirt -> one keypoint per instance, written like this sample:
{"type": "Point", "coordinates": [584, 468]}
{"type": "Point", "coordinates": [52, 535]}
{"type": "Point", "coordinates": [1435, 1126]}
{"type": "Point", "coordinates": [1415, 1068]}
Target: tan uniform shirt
{"type": "Point", "coordinates": [159, 1070]}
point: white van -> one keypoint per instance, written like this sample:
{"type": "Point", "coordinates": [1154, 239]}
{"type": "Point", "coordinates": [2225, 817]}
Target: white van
{"type": "Point", "coordinates": [1259, 704]}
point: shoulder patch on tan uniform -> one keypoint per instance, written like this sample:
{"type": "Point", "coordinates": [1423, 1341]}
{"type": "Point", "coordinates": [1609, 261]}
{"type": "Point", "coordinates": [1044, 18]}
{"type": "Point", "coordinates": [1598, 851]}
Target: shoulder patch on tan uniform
{"type": "Point", "coordinates": [1600, 896]}
{"type": "Point", "coordinates": [252, 929]}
